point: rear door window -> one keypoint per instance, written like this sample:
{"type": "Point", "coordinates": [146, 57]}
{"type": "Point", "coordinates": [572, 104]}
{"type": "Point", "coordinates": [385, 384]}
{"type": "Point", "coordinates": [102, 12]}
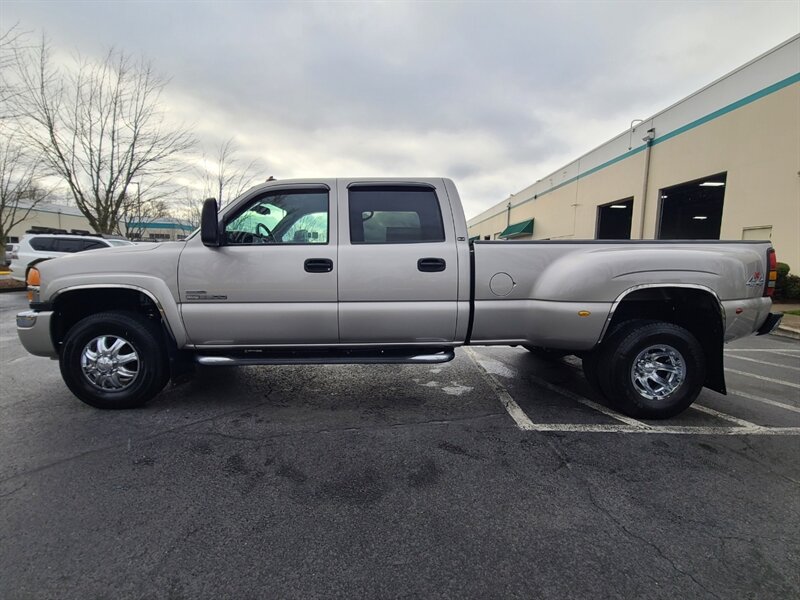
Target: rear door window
{"type": "Point", "coordinates": [93, 244]}
{"type": "Point", "coordinates": [43, 244]}
{"type": "Point", "coordinates": [69, 245]}
{"type": "Point", "coordinates": [394, 215]}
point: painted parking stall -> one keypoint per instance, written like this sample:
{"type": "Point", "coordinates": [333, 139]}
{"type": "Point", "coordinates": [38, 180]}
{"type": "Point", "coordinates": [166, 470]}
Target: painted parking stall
{"type": "Point", "coordinates": [774, 363]}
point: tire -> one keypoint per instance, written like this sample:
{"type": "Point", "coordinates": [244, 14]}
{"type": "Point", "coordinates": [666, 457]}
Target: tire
{"type": "Point", "coordinates": [651, 369]}
{"type": "Point", "coordinates": [114, 360]}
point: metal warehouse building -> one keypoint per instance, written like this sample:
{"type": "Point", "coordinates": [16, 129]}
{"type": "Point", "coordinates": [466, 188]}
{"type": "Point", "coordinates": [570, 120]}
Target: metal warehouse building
{"type": "Point", "coordinates": [723, 163]}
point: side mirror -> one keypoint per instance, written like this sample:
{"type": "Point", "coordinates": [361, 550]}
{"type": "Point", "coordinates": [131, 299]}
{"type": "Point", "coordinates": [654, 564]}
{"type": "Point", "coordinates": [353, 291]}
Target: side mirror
{"type": "Point", "coordinates": [209, 223]}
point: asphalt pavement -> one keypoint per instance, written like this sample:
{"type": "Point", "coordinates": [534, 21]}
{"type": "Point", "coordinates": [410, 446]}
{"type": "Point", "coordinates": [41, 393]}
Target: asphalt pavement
{"type": "Point", "coordinates": [495, 475]}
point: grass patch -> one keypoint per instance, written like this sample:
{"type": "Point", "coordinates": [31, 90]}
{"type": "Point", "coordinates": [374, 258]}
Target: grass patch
{"type": "Point", "coordinates": [792, 312]}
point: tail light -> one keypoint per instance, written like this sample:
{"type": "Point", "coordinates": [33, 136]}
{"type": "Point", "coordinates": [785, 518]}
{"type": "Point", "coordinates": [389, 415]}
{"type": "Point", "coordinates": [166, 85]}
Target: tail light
{"type": "Point", "coordinates": [772, 272]}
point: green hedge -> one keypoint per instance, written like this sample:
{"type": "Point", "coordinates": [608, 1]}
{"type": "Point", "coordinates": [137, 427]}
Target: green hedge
{"type": "Point", "coordinates": [787, 287]}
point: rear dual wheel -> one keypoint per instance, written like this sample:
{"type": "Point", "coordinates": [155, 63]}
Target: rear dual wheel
{"type": "Point", "coordinates": [648, 369]}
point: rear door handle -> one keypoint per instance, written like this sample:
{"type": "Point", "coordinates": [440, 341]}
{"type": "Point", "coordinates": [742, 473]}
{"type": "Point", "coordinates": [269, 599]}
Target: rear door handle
{"type": "Point", "coordinates": [431, 265]}
{"type": "Point", "coordinates": [318, 265]}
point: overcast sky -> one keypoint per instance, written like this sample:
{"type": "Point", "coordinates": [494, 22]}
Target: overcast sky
{"type": "Point", "coordinates": [495, 95]}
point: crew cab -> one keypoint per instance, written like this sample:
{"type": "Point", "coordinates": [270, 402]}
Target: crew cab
{"type": "Point", "coordinates": [382, 271]}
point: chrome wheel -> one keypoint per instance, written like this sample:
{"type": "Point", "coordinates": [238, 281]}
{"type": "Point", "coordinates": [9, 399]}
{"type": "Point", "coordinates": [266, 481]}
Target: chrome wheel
{"type": "Point", "coordinates": [658, 371]}
{"type": "Point", "coordinates": [110, 363]}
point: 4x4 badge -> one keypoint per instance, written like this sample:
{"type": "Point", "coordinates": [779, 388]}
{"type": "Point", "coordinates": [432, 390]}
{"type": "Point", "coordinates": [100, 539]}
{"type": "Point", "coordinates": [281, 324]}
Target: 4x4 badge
{"type": "Point", "coordinates": [756, 280]}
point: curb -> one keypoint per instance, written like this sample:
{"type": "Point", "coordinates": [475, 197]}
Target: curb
{"type": "Point", "coordinates": [787, 332]}
{"type": "Point", "coordinates": [10, 290]}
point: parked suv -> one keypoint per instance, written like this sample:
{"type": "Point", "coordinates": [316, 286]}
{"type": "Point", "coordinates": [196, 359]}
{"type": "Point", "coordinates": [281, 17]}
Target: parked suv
{"type": "Point", "coordinates": [11, 253]}
{"type": "Point", "coordinates": [36, 247]}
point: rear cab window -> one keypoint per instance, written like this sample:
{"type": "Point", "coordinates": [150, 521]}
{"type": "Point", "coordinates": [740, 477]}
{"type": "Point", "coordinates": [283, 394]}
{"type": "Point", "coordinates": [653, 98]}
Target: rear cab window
{"type": "Point", "coordinates": [394, 214]}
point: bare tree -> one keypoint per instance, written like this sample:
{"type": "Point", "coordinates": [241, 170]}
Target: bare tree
{"type": "Point", "coordinates": [191, 208]}
{"type": "Point", "coordinates": [139, 210]}
{"type": "Point", "coordinates": [12, 46]}
{"type": "Point", "coordinates": [20, 192]}
{"type": "Point", "coordinates": [227, 176]}
{"type": "Point", "coordinates": [100, 127]}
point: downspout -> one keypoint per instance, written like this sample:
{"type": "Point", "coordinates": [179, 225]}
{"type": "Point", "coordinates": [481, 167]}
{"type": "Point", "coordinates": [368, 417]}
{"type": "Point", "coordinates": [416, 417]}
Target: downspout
{"type": "Point", "coordinates": [508, 214]}
{"type": "Point", "coordinates": [648, 139]}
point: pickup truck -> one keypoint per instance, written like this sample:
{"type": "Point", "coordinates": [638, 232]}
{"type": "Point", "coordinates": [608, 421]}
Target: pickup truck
{"type": "Point", "coordinates": [382, 271]}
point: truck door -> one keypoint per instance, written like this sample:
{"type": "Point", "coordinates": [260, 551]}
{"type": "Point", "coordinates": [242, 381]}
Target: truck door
{"type": "Point", "coordinates": [398, 268]}
{"type": "Point", "coordinates": [273, 279]}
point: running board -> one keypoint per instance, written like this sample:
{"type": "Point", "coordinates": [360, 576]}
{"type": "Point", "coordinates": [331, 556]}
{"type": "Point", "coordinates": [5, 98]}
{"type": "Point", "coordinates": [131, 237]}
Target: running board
{"type": "Point", "coordinates": [333, 356]}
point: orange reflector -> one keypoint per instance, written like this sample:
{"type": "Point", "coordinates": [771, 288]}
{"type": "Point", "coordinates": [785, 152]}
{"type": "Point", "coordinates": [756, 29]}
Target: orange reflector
{"type": "Point", "coordinates": [583, 313]}
{"type": "Point", "coordinates": [33, 276]}
{"type": "Point", "coordinates": [773, 275]}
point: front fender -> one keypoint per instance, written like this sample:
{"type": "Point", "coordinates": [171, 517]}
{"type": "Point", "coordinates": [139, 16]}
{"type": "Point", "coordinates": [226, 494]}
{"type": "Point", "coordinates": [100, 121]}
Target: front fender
{"type": "Point", "coordinates": [152, 287]}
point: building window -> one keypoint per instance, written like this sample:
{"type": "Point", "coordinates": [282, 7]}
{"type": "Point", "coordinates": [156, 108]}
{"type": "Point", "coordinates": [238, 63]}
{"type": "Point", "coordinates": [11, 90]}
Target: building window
{"type": "Point", "coordinates": [614, 220]}
{"type": "Point", "coordinates": [693, 210]}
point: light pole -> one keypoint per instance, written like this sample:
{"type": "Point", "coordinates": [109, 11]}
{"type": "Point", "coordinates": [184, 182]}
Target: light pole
{"type": "Point", "coordinates": [138, 210]}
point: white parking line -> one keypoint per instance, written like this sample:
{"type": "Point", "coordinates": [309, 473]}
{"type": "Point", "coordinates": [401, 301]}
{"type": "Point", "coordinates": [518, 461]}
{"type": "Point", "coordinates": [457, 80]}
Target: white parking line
{"type": "Point", "coordinates": [586, 402]}
{"type": "Point", "coordinates": [764, 362]}
{"type": "Point", "coordinates": [762, 378]}
{"type": "Point", "coordinates": [774, 403]}
{"type": "Point", "coordinates": [779, 351]}
{"type": "Point", "coordinates": [724, 416]}
{"type": "Point", "coordinates": [669, 429]}
{"type": "Point", "coordinates": [513, 409]}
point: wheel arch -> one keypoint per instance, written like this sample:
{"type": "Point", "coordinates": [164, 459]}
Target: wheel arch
{"type": "Point", "coordinates": [71, 304]}
{"type": "Point", "coordinates": [694, 307]}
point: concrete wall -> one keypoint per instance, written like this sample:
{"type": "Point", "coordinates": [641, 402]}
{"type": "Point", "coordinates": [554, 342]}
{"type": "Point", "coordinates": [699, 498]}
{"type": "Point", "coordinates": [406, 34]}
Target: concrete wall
{"type": "Point", "coordinates": [747, 124]}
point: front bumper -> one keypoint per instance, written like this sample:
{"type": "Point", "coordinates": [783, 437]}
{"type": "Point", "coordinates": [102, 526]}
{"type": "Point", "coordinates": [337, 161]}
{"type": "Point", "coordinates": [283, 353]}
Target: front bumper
{"type": "Point", "coordinates": [33, 329]}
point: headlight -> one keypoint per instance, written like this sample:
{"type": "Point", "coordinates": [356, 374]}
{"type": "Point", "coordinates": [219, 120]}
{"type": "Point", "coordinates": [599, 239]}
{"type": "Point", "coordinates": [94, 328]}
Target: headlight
{"type": "Point", "coordinates": [34, 280]}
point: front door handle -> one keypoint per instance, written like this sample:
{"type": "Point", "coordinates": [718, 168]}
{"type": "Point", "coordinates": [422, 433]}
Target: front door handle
{"type": "Point", "coordinates": [431, 265]}
{"type": "Point", "coordinates": [318, 265]}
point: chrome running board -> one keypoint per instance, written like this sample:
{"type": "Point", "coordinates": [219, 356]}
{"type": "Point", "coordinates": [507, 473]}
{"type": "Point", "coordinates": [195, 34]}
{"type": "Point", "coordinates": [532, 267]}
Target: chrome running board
{"type": "Point", "coordinates": [325, 356]}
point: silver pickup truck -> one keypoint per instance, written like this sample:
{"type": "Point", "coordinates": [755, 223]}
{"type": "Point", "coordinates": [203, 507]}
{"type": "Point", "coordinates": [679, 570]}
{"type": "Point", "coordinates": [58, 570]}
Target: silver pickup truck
{"type": "Point", "coordinates": [382, 271]}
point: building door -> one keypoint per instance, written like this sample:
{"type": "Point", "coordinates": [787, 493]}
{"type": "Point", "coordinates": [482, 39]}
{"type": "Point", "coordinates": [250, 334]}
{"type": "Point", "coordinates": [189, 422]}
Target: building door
{"type": "Point", "coordinates": [692, 211]}
{"type": "Point", "coordinates": [614, 220]}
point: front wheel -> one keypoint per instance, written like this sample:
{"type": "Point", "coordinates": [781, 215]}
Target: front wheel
{"type": "Point", "coordinates": [651, 369]}
{"type": "Point", "coordinates": [114, 360]}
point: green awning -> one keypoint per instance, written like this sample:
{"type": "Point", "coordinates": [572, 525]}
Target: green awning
{"type": "Point", "coordinates": [518, 229]}
{"type": "Point", "coordinates": [474, 237]}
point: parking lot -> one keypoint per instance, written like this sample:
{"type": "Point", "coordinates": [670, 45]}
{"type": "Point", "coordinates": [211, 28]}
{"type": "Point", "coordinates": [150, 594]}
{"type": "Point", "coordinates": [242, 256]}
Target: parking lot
{"type": "Point", "coordinates": [495, 475]}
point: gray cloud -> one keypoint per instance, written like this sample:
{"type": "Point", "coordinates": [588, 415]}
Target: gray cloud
{"type": "Point", "coordinates": [494, 95]}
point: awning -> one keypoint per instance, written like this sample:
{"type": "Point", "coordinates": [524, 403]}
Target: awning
{"type": "Point", "coordinates": [473, 238]}
{"type": "Point", "coordinates": [518, 229]}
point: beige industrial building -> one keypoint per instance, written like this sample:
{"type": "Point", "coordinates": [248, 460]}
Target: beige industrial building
{"type": "Point", "coordinates": [723, 163]}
